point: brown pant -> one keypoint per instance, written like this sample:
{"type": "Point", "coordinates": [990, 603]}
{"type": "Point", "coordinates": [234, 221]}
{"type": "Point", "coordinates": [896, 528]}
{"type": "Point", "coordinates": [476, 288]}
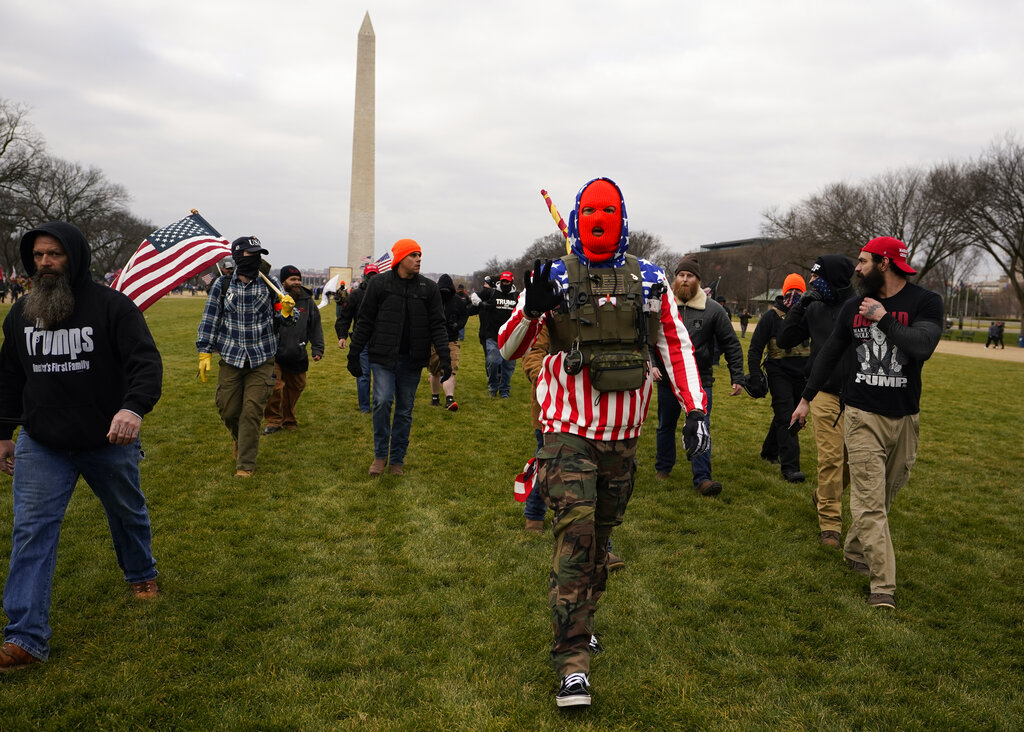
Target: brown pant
{"type": "Point", "coordinates": [280, 410]}
{"type": "Point", "coordinates": [241, 396]}
{"type": "Point", "coordinates": [882, 452]}
{"type": "Point", "coordinates": [833, 474]}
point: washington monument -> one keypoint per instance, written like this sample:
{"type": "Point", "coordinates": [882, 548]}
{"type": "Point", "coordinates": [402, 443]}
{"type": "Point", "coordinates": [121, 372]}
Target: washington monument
{"type": "Point", "coordinates": [360, 215]}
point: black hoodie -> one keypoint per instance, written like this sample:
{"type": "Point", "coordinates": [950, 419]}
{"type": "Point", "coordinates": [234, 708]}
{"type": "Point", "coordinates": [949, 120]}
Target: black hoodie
{"type": "Point", "coordinates": [817, 320]}
{"type": "Point", "coordinates": [455, 312]}
{"type": "Point", "coordinates": [67, 384]}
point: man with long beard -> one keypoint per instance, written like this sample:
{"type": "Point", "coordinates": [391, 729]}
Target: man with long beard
{"type": "Point", "coordinates": [292, 361]}
{"type": "Point", "coordinates": [78, 370]}
{"type": "Point", "coordinates": [882, 399]}
{"type": "Point", "coordinates": [605, 310]}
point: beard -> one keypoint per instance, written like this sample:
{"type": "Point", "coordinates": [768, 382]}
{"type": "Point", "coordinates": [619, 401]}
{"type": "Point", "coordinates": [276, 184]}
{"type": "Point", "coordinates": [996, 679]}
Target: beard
{"type": "Point", "coordinates": [294, 290]}
{"type": "Point", "coordinates": [871, 283]}
{"type": "Point", "coordinates": [50, 301]}
{"type": "Point", "coordinates": [683, 292]}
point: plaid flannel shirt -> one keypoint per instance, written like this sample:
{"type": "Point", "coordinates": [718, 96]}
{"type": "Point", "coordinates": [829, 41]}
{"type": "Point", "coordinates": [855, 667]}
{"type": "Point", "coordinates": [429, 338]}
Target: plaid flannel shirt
{"type": "Point", "coordinates": [243, 330]}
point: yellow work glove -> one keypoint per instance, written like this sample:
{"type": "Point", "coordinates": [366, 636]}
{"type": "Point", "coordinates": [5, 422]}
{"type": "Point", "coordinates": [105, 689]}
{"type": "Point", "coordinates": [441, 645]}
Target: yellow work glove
{"type": "Point", "coordinates": [287, 306]}
{"type": "Point", "coordinates": [204, 365]}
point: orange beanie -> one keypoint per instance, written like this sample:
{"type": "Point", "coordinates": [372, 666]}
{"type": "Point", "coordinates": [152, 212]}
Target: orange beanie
{"type": "Point", "coordinates": [793, 282]}
{"type": "Point", "coordinates": [402, 249]}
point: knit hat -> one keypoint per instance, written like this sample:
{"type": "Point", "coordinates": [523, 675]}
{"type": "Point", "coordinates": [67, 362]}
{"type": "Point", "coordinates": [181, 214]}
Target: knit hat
{"type": "Point", "coordinates": [794, 282]}
{"type": "Point", "coordinates": [689, 264]}
{"type": "Point", "coordinates": [894, 249]}
{"type": "Point", "coordinates": [290, 271]}
{"type": "Point", "coordinates": [402, 249]}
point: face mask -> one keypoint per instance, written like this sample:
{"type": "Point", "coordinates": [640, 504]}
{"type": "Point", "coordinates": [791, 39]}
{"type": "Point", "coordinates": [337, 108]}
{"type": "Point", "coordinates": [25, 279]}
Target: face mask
{"type": "Point", "coordinates": [791, 298]}
{"type": "Point", "coordinates": [247, 266]}
{"type": "Point", "coordinates": [600, 220]}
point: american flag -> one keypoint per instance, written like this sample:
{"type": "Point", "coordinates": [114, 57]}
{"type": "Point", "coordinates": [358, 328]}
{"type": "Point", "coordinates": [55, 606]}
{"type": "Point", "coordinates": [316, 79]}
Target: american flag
{"type": "Point", "coordinates": [168, 257]}
{"type": "Point", "coordinates": [384, 263]}
{"type": "Point", "coordinates": [524, 481]}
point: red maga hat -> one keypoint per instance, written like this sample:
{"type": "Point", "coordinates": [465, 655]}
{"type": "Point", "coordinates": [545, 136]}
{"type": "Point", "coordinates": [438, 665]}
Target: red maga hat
{"type": "Point", "coordinates": [894, 249]}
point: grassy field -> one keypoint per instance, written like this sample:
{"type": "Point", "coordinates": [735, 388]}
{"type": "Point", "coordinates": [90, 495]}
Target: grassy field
{"type": "Point", "coordinates": [312, 597]}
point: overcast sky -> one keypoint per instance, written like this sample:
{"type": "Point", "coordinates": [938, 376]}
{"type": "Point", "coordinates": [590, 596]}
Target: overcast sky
{"type": "Point", "coordinates": [706, 114]}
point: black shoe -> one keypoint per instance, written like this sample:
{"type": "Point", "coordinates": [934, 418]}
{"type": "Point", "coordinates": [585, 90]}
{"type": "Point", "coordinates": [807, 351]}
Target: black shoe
{"type": "Point", "coordinates": [271, 430]}
{"type": "Point", "coordinates": [435, 400]}
{"type": "Point", "coordinates": [795, 477]}
{"type": "Point", "coordinates": [451, 405]}
{"type": "Point", "coordinates": [877, 599]}
{"type": "Point", "coordinates": [574, 692]}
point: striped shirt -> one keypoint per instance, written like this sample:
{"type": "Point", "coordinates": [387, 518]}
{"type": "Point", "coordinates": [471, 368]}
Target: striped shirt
{"type": "Point", "coordinates": [242, 331]}
{"type": "Point", "coordinates": [568, 403]}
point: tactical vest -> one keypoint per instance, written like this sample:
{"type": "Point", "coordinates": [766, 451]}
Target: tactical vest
{"type": "Point", "coordinates": [603, 326]}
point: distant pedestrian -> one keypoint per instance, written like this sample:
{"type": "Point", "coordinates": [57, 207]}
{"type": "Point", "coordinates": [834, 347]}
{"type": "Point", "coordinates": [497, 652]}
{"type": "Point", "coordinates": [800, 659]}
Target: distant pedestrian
{"type": "Point", "coordinates": [744, 320]}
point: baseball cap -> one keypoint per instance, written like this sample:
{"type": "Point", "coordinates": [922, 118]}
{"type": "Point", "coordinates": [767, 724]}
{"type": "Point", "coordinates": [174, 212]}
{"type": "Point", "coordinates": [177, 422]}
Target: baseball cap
{"type": "Point", "coordinates": [247, 244]}
{"type": "Point", "coordinates": [507, 276]}
{"type": "Point", "coordinates": [893, 249]}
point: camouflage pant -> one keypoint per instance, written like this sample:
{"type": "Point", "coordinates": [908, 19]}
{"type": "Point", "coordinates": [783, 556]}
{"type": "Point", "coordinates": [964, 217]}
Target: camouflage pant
{"type": "Point", "coordinates": [587, 483]}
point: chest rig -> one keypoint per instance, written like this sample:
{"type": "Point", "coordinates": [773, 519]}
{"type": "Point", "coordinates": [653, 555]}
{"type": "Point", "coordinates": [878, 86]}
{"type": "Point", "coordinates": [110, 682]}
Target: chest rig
{"type": "Point", "coordinates": [603, 326]}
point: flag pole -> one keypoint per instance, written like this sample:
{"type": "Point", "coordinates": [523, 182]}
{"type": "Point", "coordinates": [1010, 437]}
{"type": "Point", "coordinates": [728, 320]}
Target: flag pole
{"type": "Point", "coordinates": [271, 285]}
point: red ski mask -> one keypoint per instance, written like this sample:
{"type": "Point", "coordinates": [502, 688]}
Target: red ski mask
{"type": "Point", "coordinates": [599, 220]}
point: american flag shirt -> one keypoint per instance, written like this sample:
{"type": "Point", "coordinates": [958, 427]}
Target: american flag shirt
{"type": "Point", "coordinates": [242, 331]}
{"type": "Point", "coordinates": [568, 403]}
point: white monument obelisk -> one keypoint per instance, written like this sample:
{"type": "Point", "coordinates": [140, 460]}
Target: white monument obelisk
{"type": "Point", "coordinates": [361, 203]}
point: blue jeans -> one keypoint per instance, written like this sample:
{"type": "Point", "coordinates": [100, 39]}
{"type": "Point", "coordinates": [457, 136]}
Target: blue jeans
{"type": "Point", "coordinates": [669, 411]}
{"type": "Point", "coordinates": [363, 382]}
{"type": "Point", "coordinates": [534, 509]}
{"type": "Point", "coordinates": [44, 479]}
{"type": "Point", "coordinates": [398, 385]}
{"type": "Point", "coordinates": [499, 371]}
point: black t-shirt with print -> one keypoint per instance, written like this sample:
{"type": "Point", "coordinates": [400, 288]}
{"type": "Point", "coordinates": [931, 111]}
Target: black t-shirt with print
{"type": "Point", "coordinates": [889, 354]}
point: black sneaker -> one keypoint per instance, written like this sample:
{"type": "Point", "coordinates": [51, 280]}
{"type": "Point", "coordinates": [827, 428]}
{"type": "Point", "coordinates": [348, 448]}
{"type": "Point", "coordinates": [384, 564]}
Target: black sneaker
{"type": "Point", "coordinates": [450, 404]}
{"type": "Point", "coordinates": [795, 477]}
{"type": "Point", "coordinates": [271, 430]}
{"type": "Point", "coordinates": [574, 692]}
{"type": "Point", "coordinates": [435, 400]}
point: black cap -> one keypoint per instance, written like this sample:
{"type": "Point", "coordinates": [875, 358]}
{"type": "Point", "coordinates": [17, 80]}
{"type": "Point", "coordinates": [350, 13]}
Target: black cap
{"type": "Point", "coordinates": [290, 271]}
{"type": "Point", "coordinates": [247, 244]}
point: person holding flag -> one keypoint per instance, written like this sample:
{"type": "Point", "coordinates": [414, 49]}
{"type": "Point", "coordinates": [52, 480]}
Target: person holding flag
{"type": "Point", "coordinates": [243, 314]}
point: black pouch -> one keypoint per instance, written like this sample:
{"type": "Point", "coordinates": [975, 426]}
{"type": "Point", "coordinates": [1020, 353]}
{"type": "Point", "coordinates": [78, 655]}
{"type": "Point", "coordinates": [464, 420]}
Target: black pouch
{"type": "Point", "coordinates": [618, 371]}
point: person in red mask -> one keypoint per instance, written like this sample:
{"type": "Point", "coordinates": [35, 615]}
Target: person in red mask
{"type": "Point", "coordinates": [605, 310]}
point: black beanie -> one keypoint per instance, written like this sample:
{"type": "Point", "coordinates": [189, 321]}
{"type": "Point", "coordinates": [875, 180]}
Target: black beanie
{"type": "Point", "coordinates": [290, 271]}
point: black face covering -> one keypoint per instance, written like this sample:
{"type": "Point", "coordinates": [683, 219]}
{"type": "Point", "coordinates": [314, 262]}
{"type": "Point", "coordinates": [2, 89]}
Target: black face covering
{"type": "Point", "coordinates": [247, 266]}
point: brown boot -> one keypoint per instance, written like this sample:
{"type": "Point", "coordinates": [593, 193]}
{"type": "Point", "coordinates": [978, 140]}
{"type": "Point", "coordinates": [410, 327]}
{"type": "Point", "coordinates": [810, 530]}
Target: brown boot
{"type": "Point", "coordinates": [829, 538]}
{"type": "Point", "coordinates": [614, 563]}
{"type": "Point", "coordinates": [145, 590]}
{"type": "Point", "coordinates": [377, 467]}
{"type": "Point", "coordinates": [13, 658]}
{"type": "Point", "coordinates": [534, 527]}
{"type": "Point", "coordinates": [397, 469]}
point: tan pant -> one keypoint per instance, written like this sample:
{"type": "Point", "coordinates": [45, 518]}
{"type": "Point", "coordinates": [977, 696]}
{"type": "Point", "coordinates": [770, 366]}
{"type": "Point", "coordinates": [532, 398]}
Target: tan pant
{"type": "Point", "coordinates": [280, 410]}
{"type": "Point", "coordinates": [833, 475]}
{"type": "Point", "coordinates": [241, 396]}
{"type": "Point", "coordinates": [882, 451]}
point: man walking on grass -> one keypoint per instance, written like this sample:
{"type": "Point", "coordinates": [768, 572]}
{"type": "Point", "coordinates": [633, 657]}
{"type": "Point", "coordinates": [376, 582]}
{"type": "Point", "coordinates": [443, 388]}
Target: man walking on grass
{"type": "Point", "coordinates": [894, 327]}
{"type": "Point", "coordinates": [292, 361]}
{"type": "Point", "coordinates": [604, 310]}
{"type": "Point", "coordinates": [400, 318]}
{"type": "Point", "coordinates": [78, 370]}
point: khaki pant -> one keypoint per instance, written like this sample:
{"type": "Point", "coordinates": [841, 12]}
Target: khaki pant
{"type": "Point", "coordinates": [833, 474]}
{"type": "Point", "coordinates": [241, 396]}
{"type": "Point", "coordinates": [882, 451]}
{"type": "Point", "coordinates": [434, 366]}
{"type": "Point", "coordinates": [280, 410]}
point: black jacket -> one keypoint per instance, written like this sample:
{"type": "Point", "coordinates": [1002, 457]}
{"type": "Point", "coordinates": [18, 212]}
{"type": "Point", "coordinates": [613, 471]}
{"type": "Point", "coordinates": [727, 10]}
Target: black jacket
{"type": "Point", "coordinates": [777, 359]}
{"type": "Point", "coordinates": [496, 307]}
{"type": "Point", "coordinates": [816, 320]}
{"type": "Point", "coordinates": [347, 310]}
{"type": "Point", "coordinates": [455, 312]}
{"type": "Point", "coordinates": [401, 316]}
{"type": "Point", "coordinates": [291, 347]}
{"type": "Point", "coordinates": [68, 383]}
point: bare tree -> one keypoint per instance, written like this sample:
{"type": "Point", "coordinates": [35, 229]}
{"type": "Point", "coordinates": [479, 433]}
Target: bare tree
{"type": "Point", "coordinates": [20, 150]}
{"type": "Point", "coordinates": [986, 197]}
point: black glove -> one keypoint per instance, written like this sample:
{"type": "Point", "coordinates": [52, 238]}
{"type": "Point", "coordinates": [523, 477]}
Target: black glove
{"type": "Point", "coordinates": [811, 294]}
{"type": "Point", "coordinates": [696, 438]}
{"type": "Point", "coordinates": [446, 373]}
{"type": "Point", "coordinates": [541, 293]}
{"type": "Point", "coordinates": [353, 366]}
{"type": "Point", "coordinates": [755, 384]}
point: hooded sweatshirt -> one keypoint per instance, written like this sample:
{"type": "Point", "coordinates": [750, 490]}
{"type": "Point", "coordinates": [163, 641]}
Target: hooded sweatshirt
{"type": "Point", "coordinates": [568, 402]}
{"type": "Point", "coordinates": [816, 321]}
{"type": "Point", "coordinates": [455, 313]}
{"type": "Point", "coordinates": [66, 384]}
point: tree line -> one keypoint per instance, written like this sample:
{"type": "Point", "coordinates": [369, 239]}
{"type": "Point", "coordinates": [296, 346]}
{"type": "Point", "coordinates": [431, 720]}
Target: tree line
{"type": "Point", "coordinates": [36, 187]}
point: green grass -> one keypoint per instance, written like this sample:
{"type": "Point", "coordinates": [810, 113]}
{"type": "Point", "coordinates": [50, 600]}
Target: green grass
{"type": "Point", "coordinates": [312, 597]}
